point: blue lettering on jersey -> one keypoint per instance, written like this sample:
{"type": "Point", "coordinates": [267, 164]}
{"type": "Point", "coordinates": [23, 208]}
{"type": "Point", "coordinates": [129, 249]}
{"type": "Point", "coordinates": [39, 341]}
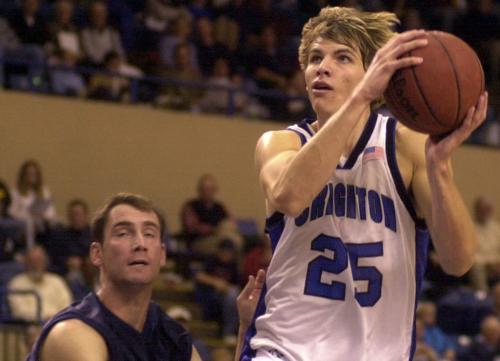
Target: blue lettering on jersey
{"type": "Point", "coordinates": [347, 200]}
{"type": "Point", "coordinates": [375, 206]}
{"type": "Point", "coordinates": [339, 200]}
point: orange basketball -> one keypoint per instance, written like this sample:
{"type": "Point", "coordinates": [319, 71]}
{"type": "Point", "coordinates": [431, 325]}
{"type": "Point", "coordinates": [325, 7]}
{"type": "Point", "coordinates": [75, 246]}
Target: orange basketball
{"type": "Point", "coordinates": [434, 97]}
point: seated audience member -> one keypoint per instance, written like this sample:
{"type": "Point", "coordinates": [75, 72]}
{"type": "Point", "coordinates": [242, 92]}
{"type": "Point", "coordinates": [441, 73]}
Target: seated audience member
{"type": "Point", "coordinates": [29, 25]}
{"type": "Point", "coordinates": [208, 49]}
{"type": "Point", "coordinates": [51, 288]}
{"type": "Point", "coordinates": [8, 38]}
{"type": "Point", "coordinates": [433, 335]}
{"type": "Point", "coordinates": [182, 315]}
{"type": "Point", "coordinates": [423, 351]}
{"type": "Point", "coordinates": [178, 33]}
{"type": "Point", "coordinates": [159, 13]}
{"type": "Point", "coordinates": [487, 264]}
{"type": "Point", "coordinates": [112, 86]}
{"type": "Point", "coordinates": [217, 289]}
{"type": "Point", "coordinates": [73, 239]}
{"type": "Point", "coordinates": [11, 239]}
{"type": "Point", "coordinates": [32, 202]}
{"type": "Point", "coordinates": [64, 36]}
{"type": "Point", "coordinates": [180, 96]}
{"type": "Point", "coordinates": [495, 299]}
{"type": "Point", "coordinates": [257, 258]}
{"type": "Point", "coordinates": [486, 346]}
{"type": "Point", "coordinates": [65, 80]}
{"type": "Point", "coordinates": [217, 100]}
{"type": "Point", "coordinates": [206, 221]}
{"type": "Point", "coordinates": [99, 39]}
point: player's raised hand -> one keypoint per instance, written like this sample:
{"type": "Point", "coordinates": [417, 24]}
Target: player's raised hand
{"type": "Point", "coordinates": [440, 149]}
{"type": "Point", "coordinates": [388, 60]}
{"type": "Point", "coordinates": [249, 297]}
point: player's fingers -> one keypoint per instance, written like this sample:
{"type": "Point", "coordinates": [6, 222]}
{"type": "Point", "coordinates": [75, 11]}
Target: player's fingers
{"type": "Point", "coordinates": [260, 278]}
{"type": "Point", "coordinates": [404, 62]}
{"type": "Point", "coordinates": [405, 37]}
{"type": "Point", "coordinates": [247, 291]}
{"type": "Point", "coordinates": [481, 111]}
{"type": "Point", "coordinates": [407, 46]}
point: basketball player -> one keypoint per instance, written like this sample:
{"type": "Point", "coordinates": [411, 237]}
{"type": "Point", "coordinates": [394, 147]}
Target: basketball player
{"type": "Point", "coordinates": [120, 322]}
{"type": "Point", "coordinates": [347, 194]}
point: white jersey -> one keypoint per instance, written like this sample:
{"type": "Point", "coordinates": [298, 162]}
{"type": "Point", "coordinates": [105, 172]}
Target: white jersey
{"type": "Point", "coordinates": [344, 278]}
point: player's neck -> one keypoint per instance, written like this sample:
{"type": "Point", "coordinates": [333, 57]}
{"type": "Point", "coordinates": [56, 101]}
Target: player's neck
{"type": "Point", "coordinates": [130, 305]}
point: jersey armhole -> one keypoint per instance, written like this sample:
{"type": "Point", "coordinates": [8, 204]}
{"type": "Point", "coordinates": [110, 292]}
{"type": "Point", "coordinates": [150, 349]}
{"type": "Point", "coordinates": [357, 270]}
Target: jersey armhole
{"type": "Point", "coordinates": [403, 193]}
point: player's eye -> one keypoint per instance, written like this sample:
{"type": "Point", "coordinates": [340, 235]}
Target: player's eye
{"type": "Point", "coordinates": [344, 59]}
{"type": "Point", "coordinates": [315, 59]}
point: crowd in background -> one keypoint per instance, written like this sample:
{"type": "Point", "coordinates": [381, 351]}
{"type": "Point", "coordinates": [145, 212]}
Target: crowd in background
{"type": "Point", "coordinates": [457, 318]}
{"type": "Point", "coordinates": [197, 50]}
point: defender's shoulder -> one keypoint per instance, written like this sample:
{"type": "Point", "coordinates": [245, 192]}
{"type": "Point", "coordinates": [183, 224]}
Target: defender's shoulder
{"type": "Point", "coordinates": [73, 340]}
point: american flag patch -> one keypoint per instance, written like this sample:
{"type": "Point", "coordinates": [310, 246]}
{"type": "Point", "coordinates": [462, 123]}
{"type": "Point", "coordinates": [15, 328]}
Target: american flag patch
{"type": "Point", "coordinates": [373, 153]}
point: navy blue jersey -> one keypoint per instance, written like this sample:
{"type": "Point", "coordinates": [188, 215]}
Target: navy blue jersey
{"type": "Point", "coordinates": [161, 339]}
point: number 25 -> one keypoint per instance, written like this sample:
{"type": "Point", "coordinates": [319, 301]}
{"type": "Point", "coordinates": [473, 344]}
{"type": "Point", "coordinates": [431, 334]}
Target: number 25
{"type": "Point", "coordinates": [343, 253]}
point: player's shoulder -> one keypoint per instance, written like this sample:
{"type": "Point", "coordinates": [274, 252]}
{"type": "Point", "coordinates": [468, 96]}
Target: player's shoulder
{"type": "Point", "coordinates": [279, 139]}
{"type": "Point", "coordinates": [73, 339]}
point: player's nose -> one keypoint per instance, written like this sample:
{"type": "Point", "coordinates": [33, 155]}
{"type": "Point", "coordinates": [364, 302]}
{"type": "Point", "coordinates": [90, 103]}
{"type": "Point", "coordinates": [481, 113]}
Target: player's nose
{"type": "Point", "coordinates": [139, 242]}
{"type": "Point", "coordinates": [324, 68]}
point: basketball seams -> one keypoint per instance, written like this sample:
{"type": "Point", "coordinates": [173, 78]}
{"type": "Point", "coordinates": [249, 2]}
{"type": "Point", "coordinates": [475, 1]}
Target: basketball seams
{"type": "Point", "coordinates": [422, 94]}
{"type": "Point", "coordinates": [450, 59]}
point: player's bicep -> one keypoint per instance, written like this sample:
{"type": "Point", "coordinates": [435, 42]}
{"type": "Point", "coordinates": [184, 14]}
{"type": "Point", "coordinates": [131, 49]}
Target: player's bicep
{"type": "Point", "coordinates": [73, 340]}
{"type": "Point", "coordinates": [273, 153]}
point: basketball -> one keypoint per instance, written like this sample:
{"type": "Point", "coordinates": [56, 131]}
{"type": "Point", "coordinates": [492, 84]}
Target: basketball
{"type": "Point", "coordinates": [434, 97]}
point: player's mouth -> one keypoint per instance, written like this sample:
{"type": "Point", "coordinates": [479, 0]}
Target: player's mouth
{"type": "Point", "coordinates": [320, 87]}
{"type": "Point", "coordinates": [138, 263]}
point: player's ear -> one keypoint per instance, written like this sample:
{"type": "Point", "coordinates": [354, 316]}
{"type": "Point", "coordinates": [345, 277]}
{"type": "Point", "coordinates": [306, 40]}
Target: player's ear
{"type": "Point", "coordinates": [96, 254]}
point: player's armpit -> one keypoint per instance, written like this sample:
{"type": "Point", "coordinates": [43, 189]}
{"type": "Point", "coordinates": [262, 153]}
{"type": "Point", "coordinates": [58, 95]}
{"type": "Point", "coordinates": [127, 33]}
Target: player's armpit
{"type": "Point", "coordinates": [73, 340]}
{"type": "Point", "coordinates": [195, 356]}
{"type": "Point", "coordinates": [273, 153]}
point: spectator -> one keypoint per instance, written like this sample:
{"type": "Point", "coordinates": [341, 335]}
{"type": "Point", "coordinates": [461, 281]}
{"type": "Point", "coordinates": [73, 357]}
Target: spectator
{"type": "Point", "coordinates": [72, 240]}
{"type": "Point", "coordinates": [217, 289]}
{"type": "Point", "coordinates": [181, 96]}
{"type": "Point", "coordinates": [64, 34]}
{"type": "Point", "coordinates": [487, 345]}
{"type": "Point", "coordinates": [32, 202]}
{"type": "Point", "coordinates": [29, 26]}
{"type": "Point", "coordinates": [423, 352]}
{"type": "Point", "coordinates": [217, 100]}
{"type": "Point", "coordinates": [208, 49]}
{"type": "Point", "coordinates": [206, 221]}
{"type": "Point", "coordinates": [65, 80]}
{"type": "Point", "coordinates": [159, 13]}
{"type": "Point", "coordinates": [11, 236]}
{"type": "Point", "coordinates": [257, 258]}
{"type": "Point", "coordinates": [179, 32]}
{"type": "Point", "coordinates": [8, 38]}
{"type": "Point", "coordinates": [51, 288]}
{"type": "Point", "coordinates": [184, 317]}
{"type": "Point", "coordinates": [110, 86]}
{"type": "Point", "coordinates": [298, 107]}
{"type": "Point", "coordinates": [487, 265]}
{"type": "Point", "coordinates": [495, 299]}
{"type": "Point", "coordinates": [433, 336]}
{"type": "Point", "coordinates": [99, 39]}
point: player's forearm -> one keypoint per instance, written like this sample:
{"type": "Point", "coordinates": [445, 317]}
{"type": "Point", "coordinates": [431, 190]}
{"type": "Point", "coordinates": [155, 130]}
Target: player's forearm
{"type": "Point", "coordinates": [307, 173]}
{"type": "Point", "coordinates": [241, 338]}
{"type": "Point", "coordinates": [452, 228]}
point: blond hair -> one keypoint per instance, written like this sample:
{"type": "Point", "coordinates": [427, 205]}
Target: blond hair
{"type": "Point", "coordinates": [365, 30]}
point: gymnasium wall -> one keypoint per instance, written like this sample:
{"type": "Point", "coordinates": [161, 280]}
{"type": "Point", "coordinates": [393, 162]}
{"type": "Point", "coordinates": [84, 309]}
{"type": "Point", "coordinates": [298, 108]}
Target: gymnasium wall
{"type": "Point", "coordinates": [92, 150]}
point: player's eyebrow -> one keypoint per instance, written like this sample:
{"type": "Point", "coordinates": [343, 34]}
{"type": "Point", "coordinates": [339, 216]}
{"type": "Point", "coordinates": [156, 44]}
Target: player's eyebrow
{"type": "Point", "coordinates": [151, 224]}
{"type": "Point", "coordinates": [123, 224]}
